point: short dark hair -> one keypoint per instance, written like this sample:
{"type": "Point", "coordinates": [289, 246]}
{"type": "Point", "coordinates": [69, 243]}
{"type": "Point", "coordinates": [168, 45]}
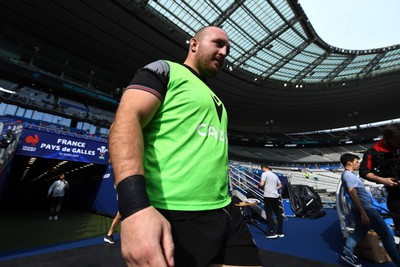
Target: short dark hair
{"type": "Point", "coordinates": [348, 157]}
{"type": "Point", "coordinates": [391, 130]}
{"type": "Point", "coordinates": [265, 165]}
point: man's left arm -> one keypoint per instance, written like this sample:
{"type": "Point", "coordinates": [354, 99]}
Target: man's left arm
{"type": "Point", "coordinates": [279, 186]}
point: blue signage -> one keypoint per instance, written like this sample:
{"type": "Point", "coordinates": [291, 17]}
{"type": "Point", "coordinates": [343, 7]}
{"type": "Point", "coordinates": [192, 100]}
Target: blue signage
{"type": "Point", "coordinates": [38, 143]}
{"type": "Point", "coordinates": [106, 199]}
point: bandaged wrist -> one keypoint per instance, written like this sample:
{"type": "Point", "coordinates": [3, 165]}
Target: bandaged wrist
{"type": "Point", "coordinates": [132, 195]}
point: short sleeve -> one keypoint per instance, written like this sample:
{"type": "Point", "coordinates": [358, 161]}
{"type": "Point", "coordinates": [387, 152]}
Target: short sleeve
{"type": "Point", "coordinates": [152, 78]}
{"type": "Point", "coordinates": [350, 180]}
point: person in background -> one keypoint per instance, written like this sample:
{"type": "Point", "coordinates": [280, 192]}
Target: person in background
{"type": "Point", "coordinates": [57, 192]}
{"type": "Point", "coordinates": [364, 214]}
{"type": "Point", "coordinates": [272, 202]}
{"type": "Point", "coordinates": [381, 164]}
{"type": "Point", "coordinates": [169, 151]}
{"type": "Point", "coordinates": [109, 236]}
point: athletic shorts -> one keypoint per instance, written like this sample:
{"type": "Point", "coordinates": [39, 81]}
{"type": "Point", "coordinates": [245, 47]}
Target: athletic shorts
{"type": "Point", "coordinates": [57, 200]}
{"type": "Point", "coordinates": [216, 236]}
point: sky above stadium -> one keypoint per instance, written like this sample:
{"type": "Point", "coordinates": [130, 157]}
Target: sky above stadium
{"type": "Point", "coordinates": [355, 24]}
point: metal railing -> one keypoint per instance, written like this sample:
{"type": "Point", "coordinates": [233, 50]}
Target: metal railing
{"type": "Point", "coordinates": [243, 184]}
{"type": "Point", "coordinates": [7, 152]}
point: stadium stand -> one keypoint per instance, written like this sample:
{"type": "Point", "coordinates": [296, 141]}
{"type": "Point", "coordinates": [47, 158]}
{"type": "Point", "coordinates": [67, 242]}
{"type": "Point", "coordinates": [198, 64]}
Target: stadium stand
{"type": "Point", "coordinates": [296, 155]}
{"type": "Point", "coordinates": [100, 115]}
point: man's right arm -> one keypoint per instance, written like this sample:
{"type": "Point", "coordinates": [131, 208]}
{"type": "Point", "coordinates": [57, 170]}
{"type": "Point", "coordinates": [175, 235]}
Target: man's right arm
{"type": "Point", "coordinates": [262, 181]}
{"type": "Point", "coordinates": [145, 235]}
{"type": "Point", "coordinates": [50, 189]}
{"type": "Point", "coordinates": [366, 171]}
{"type": "Point", "coordinates": [125, 141]}
{"type": "Point", "coordinates": [381, 180]}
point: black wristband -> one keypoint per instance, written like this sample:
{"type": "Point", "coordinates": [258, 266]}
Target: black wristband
{"type": "Point", "coordinates": [132, 195]}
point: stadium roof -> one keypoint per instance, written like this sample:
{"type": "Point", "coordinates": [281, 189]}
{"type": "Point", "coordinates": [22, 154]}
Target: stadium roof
{"type": "Point", "coordinates": [280, 76]}
{"type": "Point", "coordinates": [274, 40]}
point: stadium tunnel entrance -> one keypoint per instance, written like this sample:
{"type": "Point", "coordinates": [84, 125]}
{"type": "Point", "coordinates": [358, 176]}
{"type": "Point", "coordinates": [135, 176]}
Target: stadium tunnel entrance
{"type": "Point", "coordinates": [29, 179]}
{"type": "Point", "coordinates": [41, 155]}
{"type": "Point", "coordinates": [30, 162]}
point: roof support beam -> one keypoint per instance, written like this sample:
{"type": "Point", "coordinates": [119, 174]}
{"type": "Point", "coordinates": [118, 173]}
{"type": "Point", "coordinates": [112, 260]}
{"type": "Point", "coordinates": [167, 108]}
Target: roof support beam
{"type": "Point", "coordinates": [143, 3]}
{"type": "Point", "coordinates": [227, 13]}
{"type": "Point", "coordinates": [339, 68]}
{"type": "Point", "coordinates": [274, 35]}
{"type": "Point", "coordinates": [367, 70]}
{"type": "Point", "coordinates": [288, 22]}
{"type": "Point", "coordinates": [286, 59]}
{"type": "Point", "coordinates": [310, 67]}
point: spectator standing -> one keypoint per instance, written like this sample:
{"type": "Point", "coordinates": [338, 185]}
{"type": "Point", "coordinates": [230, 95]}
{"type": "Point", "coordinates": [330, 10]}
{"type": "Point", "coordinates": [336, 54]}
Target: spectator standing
{"type": "Point", "coordinates": [272, 201]}
{"type": "Point", "coordinates": [57, 193]}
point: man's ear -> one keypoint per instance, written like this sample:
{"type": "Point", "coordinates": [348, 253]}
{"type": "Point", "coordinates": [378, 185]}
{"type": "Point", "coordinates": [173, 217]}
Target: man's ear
{"type": "Point", "coordinates": [193, 45]}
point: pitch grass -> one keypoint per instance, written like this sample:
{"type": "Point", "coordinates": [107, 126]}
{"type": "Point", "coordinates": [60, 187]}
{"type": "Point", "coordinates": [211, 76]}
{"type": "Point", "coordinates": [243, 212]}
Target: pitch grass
{"type": "Point", "coordinates": [32, 229]}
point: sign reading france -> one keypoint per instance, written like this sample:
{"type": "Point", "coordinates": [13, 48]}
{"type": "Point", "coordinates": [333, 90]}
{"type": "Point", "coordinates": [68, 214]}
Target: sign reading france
{"type": "Point", "coordinates": [37, 143]}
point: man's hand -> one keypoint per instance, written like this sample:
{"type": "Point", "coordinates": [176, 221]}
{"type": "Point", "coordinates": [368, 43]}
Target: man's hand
{"type": "Point", "coordinates": [390, 182]}
{"type": "Point", "coordinates": [146, 239]}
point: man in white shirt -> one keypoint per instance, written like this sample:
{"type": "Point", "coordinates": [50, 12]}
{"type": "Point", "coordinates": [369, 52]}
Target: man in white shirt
{"type": "Point", "coordinates": [57, 192]}
{"type": "Point", "coordinates": [272, 184]}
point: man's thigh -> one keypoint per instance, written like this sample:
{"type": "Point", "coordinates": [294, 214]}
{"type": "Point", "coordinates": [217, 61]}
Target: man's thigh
{"type": "Point", "coordinates": [218, 236]}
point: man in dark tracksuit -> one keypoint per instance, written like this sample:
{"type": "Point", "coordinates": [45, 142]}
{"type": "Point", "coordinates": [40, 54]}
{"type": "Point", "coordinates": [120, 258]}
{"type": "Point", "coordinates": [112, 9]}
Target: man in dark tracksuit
{"type": "Point", "coordinates": [381, 164]}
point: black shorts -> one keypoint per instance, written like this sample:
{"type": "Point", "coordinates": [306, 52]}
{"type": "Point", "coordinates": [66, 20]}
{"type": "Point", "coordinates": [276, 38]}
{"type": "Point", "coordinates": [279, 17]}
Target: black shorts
{"type": "Point", "coordinates": [56, 200]}
{"type": "Point", "coordinates": [217, 236]}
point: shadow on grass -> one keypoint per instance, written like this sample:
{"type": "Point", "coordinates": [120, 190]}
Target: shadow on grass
{"type": "Point", "coordinates": [32, 229]}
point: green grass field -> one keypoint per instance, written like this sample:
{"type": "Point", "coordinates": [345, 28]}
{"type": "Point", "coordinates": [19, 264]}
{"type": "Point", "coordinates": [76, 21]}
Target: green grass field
{"type": "Point", "coordinates": [32, 229]}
